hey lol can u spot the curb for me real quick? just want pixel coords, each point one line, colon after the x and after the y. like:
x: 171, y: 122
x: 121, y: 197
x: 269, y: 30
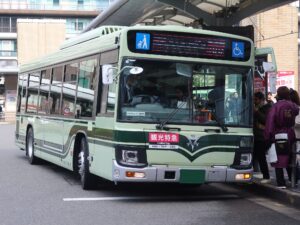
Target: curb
x: 286, y: 196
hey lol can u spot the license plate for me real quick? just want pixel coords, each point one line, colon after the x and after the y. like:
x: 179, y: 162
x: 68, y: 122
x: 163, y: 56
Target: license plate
x: 192, y: 176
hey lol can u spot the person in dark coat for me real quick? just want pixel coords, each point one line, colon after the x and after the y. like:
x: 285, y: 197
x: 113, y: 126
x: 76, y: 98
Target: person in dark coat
x: 281, y: 120
x: 261, y: 109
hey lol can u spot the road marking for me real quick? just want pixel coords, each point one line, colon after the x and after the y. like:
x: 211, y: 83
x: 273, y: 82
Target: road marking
x: 121, y: 198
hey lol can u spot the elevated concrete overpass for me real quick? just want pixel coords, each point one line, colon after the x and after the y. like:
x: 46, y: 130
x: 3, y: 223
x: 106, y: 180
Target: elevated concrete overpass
x: 182, y: 12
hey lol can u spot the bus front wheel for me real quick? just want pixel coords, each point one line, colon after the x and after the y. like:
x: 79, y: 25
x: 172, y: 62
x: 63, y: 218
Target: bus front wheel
x: 30, y: 147
x: 88, y: 180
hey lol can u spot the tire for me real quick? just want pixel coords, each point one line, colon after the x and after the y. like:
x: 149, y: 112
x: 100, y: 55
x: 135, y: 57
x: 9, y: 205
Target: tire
x: 30, y: 147
x: 88, y: 180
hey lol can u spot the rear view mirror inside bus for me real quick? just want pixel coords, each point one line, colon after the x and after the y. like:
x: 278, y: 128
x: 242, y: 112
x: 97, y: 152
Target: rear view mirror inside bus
x: 184, y: 69
x: 108, y: 72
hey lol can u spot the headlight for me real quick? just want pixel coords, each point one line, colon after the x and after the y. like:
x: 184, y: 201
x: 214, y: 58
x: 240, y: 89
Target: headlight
x: 246, y: 142
x: 131, y: 156
x: 245, y: 159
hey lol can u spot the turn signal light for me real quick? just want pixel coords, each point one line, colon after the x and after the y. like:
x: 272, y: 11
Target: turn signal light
x: 243, y: 176
x: 135, y: 174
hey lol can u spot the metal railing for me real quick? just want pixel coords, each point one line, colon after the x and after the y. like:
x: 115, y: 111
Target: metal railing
x: 61, y: 6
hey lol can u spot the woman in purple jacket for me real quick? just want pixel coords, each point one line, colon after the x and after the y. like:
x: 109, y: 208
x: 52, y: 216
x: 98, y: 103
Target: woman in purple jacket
x: 281, y: 120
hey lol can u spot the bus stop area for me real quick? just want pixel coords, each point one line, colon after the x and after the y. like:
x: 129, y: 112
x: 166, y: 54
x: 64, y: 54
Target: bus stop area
x: 290, y: 195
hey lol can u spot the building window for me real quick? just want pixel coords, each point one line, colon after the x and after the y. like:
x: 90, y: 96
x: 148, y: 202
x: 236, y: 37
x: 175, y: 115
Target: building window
x: 75, y: 26
x: 80, y: 2
x: 55, y: 2
x: 8, y: 48
x: 80, y: 26
x: 8, y: 24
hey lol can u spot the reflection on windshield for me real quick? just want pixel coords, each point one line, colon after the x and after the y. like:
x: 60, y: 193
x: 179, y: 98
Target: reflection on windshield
x: 206, y: 94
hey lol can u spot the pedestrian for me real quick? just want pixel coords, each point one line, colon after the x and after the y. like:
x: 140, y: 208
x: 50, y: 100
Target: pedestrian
x: 280, y: 122
x: 270, y: 98
x: 235, y: 107
x: 296, y: 99
x: 261, y: 109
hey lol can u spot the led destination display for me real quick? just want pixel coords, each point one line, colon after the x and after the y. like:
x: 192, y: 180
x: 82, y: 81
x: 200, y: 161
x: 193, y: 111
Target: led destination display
x: 188, y: 45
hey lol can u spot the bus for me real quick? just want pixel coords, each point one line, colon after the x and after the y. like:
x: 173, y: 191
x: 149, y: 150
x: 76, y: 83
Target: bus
x: 154, y: 104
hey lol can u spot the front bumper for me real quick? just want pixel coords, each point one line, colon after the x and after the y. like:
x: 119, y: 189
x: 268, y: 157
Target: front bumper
x: 171, y: 174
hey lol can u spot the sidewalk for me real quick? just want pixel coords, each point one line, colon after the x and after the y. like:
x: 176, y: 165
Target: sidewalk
x: 289, y: 195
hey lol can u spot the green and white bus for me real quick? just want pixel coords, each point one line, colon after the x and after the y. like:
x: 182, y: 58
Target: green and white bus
x: 107, y: 105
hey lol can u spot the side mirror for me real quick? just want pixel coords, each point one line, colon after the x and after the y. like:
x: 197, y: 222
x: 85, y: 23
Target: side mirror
x: 269, y: 67
x: 107, y: 74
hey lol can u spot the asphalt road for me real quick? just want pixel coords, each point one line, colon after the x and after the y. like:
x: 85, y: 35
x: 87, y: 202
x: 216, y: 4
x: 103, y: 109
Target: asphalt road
x: 45, y: 194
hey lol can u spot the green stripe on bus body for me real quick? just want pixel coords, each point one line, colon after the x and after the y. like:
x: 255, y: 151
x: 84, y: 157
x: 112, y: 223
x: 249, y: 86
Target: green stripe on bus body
x: 192, y: 157
x: 185, y: 142
x: 56, y: 118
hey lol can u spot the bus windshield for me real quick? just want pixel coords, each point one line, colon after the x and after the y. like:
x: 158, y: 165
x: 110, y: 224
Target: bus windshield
x: 185, y: 93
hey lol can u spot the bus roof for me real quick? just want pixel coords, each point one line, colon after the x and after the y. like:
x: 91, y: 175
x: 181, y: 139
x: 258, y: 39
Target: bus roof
x: 103, y: 39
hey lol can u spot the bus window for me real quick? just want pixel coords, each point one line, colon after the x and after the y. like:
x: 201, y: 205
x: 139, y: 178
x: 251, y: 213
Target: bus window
x: 33, y: 92
x: 108, y: 96
x: 55, y: 90
x: 20, y: 92
x: 111, y: 98
x: 86, y: 87
x: 44, y: 91
x: 24, y: 92
x: 69, y: 89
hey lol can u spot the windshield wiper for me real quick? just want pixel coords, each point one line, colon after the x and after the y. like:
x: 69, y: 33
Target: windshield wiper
x: 219, y: 122
x: 161, y: 125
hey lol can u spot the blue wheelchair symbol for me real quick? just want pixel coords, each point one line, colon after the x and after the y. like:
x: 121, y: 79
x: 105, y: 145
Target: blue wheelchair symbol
x: 142, y: 41
x: 238, y: 49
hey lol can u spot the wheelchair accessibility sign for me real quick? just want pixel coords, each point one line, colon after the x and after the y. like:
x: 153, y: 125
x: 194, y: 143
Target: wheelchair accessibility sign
x: 142, y: 41
x: 238, y: 49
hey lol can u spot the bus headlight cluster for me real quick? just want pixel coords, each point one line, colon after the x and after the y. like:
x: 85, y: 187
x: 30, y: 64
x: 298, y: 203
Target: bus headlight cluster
x: 131, y: 156
x: 245, y: 159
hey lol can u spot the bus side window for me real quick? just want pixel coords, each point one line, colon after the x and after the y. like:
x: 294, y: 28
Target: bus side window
x: 86, y: 87
x: 55, y: 90
x: 33, y: 92
x: 44, y: 92
x: 108, y: 92
x: 24, y: 92
x: 69, y: 89
x: 20, y: 92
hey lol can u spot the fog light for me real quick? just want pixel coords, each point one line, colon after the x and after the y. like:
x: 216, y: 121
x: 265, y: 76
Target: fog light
x: 135, y: 174
x: 116, y: 173
x: 243, y: 176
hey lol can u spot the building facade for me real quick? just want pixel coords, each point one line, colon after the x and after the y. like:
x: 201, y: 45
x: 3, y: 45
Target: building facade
x: 75, y: 14
x: 278, y: 28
